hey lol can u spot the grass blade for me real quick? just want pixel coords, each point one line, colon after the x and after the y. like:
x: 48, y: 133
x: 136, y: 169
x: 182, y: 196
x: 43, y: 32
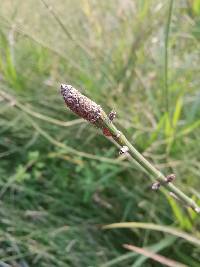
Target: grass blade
x: 156, y: 257
x: 155, y: 227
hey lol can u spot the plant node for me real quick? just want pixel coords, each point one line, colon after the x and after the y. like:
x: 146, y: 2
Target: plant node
x: 123, y: 150
x: 112, y: 115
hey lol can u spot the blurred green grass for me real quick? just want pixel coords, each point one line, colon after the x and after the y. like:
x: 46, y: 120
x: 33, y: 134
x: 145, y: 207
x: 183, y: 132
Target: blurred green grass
x: 60, y: 179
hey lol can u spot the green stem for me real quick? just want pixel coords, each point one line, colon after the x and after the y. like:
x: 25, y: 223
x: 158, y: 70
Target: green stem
x: 136, y: 155
x: 166, y: 57
x: 89, y: 110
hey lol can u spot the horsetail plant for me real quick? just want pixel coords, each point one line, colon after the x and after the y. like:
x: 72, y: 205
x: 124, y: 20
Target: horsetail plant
x: 89, y: 110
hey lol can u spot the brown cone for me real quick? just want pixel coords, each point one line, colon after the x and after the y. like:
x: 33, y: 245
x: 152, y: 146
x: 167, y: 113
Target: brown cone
x: 80, y: 104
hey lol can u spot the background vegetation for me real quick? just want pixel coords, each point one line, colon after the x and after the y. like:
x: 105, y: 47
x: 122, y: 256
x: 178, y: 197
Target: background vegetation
x: 60, y: 180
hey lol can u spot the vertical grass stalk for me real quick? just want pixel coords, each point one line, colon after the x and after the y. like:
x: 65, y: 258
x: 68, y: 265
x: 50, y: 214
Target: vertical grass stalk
x: 166, y: 94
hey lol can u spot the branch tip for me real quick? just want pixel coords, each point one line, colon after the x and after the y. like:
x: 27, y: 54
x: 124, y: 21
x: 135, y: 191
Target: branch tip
x: 80, y: 104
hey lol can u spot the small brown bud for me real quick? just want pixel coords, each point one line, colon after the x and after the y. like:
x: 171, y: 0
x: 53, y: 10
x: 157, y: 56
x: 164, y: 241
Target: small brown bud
x: 155, y: 186
x: 170, y: 178
x: 80, y: 104
x: 112, y: 115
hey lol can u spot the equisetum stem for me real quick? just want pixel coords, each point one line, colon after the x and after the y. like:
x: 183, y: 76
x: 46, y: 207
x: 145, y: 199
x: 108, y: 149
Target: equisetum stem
x: 121, y: 139
x: 90, y: 111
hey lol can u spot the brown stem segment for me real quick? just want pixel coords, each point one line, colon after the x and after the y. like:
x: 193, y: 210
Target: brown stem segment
x: 89, y: 110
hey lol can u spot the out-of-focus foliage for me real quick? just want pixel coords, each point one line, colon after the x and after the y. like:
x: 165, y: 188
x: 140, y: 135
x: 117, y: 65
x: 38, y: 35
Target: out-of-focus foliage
x: 60, y: 180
